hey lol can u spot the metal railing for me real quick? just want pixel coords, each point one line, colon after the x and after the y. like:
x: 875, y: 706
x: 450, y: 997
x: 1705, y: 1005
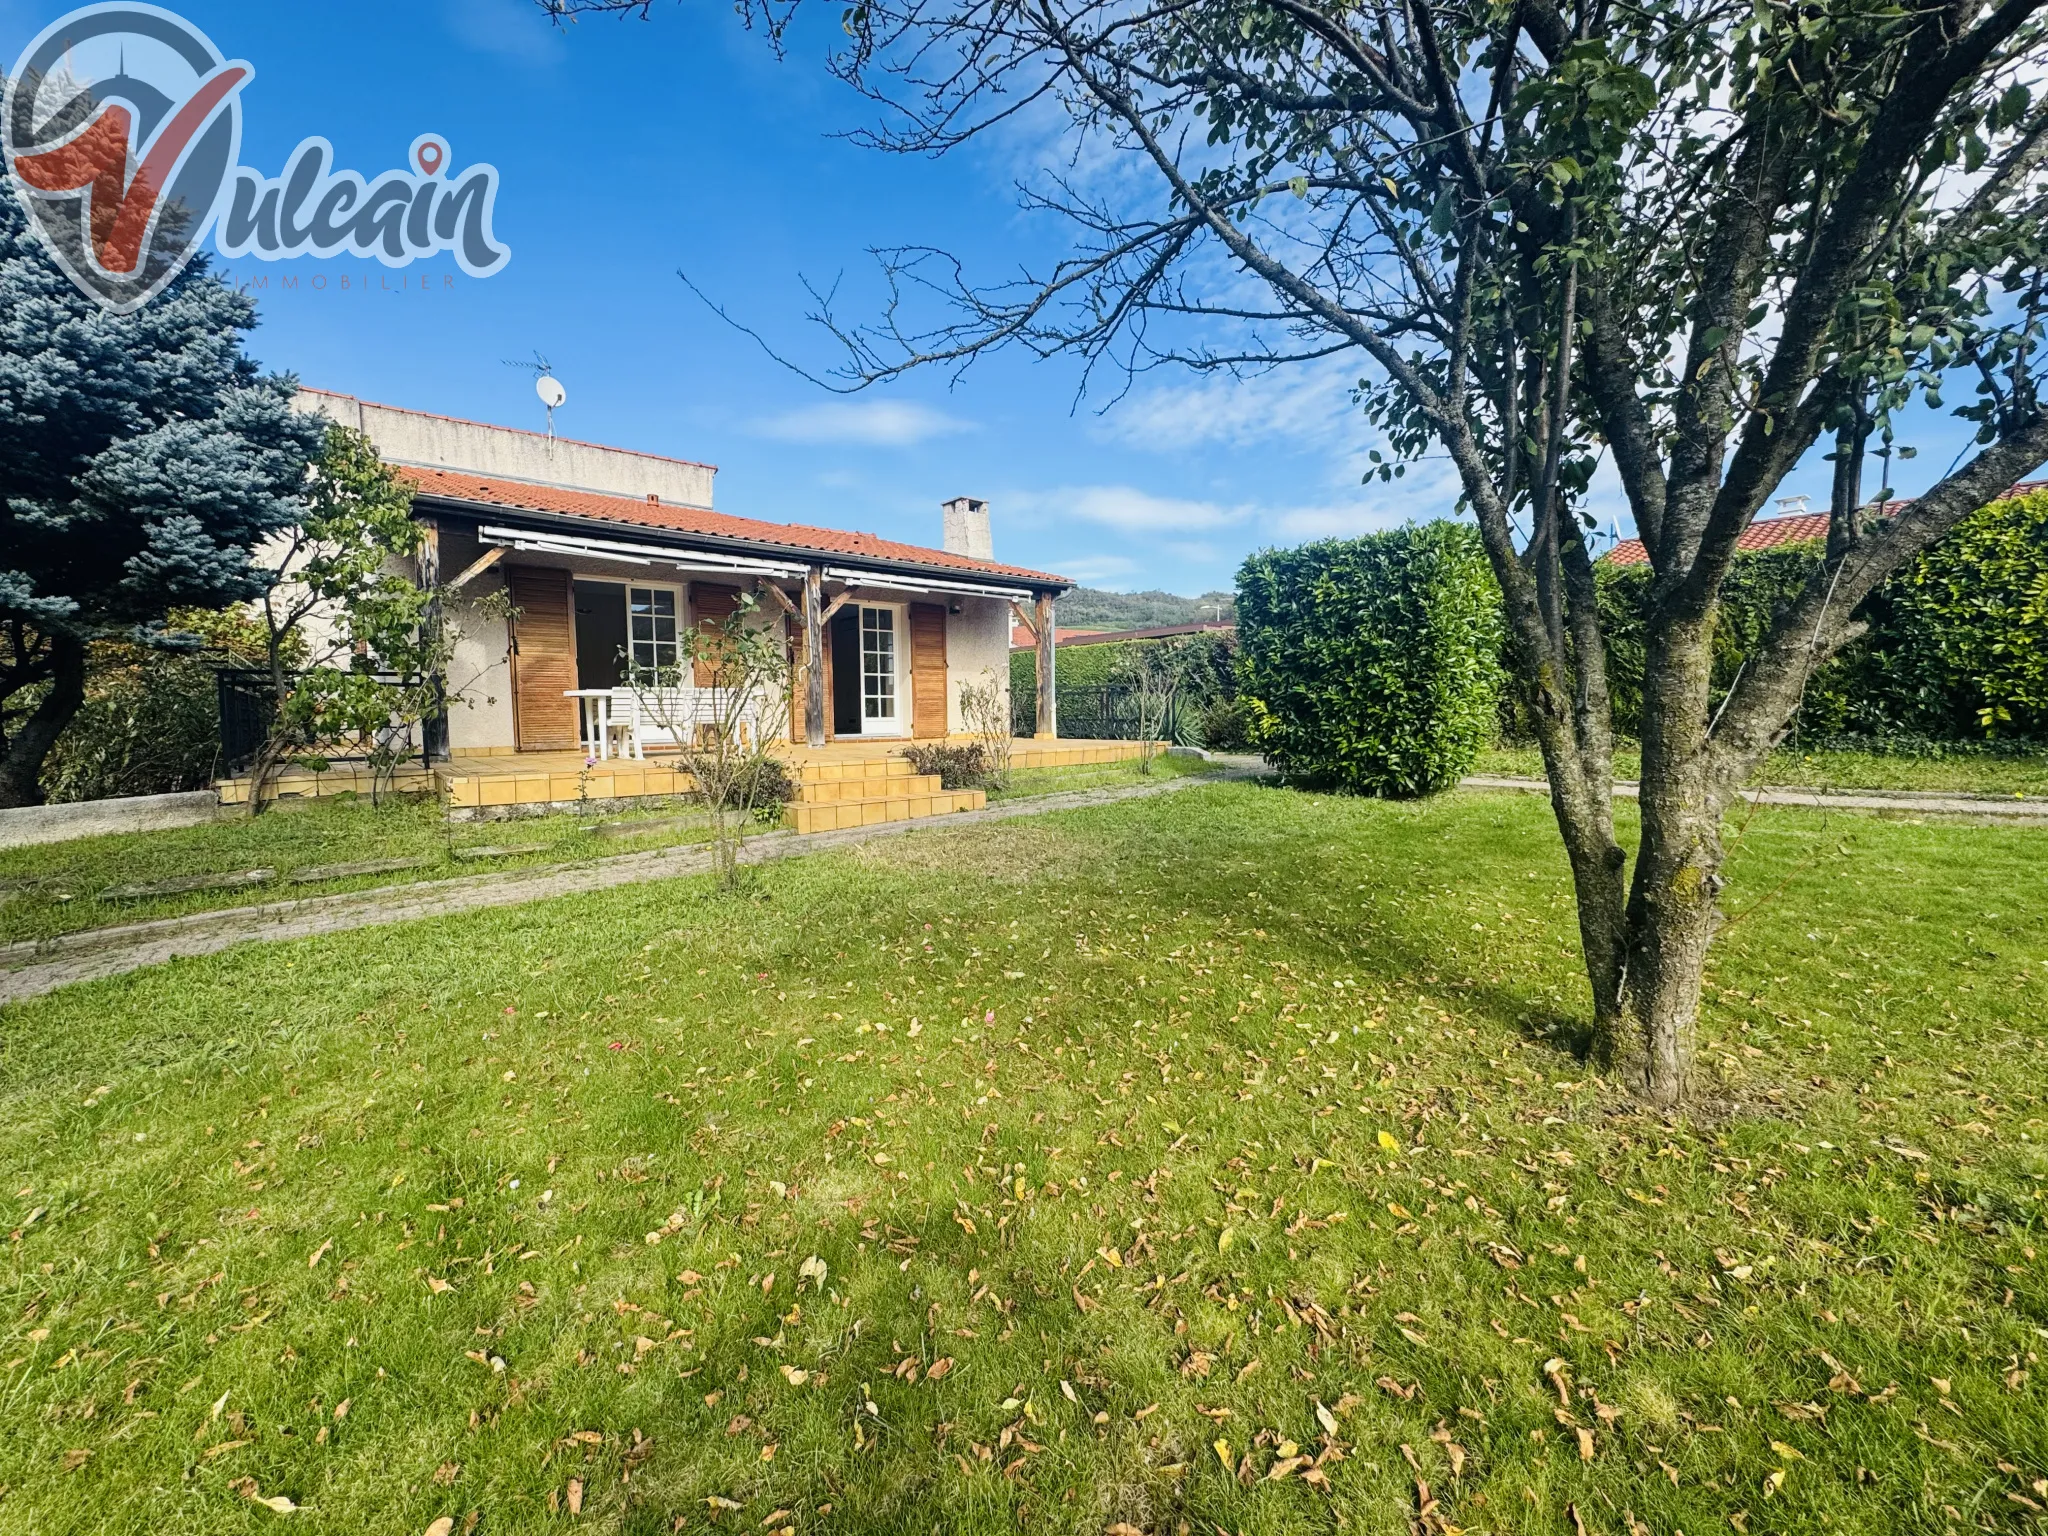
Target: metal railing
x: 1106, y: 713
x: 248, y: 707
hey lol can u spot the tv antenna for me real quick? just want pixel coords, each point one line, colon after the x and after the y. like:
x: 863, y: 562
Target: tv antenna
x: 545, y: 385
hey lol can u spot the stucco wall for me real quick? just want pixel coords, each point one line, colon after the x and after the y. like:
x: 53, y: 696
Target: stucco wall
x: 977, y: 647
x: 480, y: 671
x: 442, y: 442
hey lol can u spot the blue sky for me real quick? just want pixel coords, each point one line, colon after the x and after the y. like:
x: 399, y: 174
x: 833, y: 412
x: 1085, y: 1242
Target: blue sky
x: 628, y: 149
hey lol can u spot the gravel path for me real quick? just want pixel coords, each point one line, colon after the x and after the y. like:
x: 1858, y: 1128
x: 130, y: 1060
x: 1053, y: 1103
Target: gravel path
x: 33, y: 968
x: 1930, y: 802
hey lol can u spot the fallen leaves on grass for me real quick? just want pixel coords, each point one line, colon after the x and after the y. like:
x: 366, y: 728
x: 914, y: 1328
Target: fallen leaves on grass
x: 248, y: 1488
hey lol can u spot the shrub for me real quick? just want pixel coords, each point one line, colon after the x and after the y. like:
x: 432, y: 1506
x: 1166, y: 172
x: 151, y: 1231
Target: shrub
x: 774, y: 786
x: 1225, y: 726
x: 962, y: 767
x: 1373, y: 664
x: 150, y: 725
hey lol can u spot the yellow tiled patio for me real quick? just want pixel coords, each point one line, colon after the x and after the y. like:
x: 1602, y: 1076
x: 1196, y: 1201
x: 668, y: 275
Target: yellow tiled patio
x: 842, y: 784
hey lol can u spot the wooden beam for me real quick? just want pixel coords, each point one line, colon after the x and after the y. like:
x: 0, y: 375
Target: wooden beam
x: 779, y: 595
x: 1025, y: 619
x: 814, y: 656
x: 838, y: 603
x: 476, y: 568
x: 1048, y: 695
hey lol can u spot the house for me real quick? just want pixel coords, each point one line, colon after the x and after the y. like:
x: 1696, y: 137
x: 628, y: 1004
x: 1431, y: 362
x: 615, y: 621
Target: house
x: 606, y: 554
x: 1798, y: 528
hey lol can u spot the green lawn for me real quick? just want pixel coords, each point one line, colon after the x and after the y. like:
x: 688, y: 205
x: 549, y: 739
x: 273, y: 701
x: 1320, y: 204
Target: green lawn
x: 1077, y: 1172
x: 1028, y: 782
x: 2026, y: 775
x: 57, y: 887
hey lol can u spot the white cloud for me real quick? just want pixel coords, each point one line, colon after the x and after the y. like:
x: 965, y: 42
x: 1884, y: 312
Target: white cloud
x: 1305, y: 405
x: 868, y: 423
x: 1128, y: 509
x: 511, y: 29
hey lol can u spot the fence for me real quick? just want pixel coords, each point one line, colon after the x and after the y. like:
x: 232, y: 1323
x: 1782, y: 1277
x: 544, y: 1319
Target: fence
x: 1109, y: 713
x: 248, y: 706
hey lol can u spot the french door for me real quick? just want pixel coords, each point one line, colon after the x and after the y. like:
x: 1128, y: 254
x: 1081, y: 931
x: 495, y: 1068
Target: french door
x: 880, y: 707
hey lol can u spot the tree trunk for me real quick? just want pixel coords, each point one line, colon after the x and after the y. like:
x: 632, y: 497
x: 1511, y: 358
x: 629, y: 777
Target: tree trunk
x: 1672, y: 909
x: 21, y: 765
x: 1584, y: 806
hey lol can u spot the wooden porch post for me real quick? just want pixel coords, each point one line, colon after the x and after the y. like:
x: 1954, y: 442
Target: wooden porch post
x: 1048, y: 695
x: 814, y: 656
x: 434, y: 728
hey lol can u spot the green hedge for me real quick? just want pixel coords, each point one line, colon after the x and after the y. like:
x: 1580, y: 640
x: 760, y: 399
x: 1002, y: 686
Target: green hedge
x: 1957, y: 642
x: 1373, y: 664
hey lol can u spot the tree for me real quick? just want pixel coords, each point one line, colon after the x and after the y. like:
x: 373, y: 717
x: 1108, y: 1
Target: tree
x: 1697, y: 238
x: 731, y: 677
x: 333, y: 597
x: 1153, y: 671
x: 142, y: 459
x: 985, y: 711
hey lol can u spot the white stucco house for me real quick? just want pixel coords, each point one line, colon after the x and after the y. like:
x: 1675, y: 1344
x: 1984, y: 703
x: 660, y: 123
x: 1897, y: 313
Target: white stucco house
x: 607, y: 553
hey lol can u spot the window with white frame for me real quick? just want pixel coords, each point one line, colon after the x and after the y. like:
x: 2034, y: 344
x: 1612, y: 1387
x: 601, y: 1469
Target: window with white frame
x: 651, y: 614
x: 878, y: 663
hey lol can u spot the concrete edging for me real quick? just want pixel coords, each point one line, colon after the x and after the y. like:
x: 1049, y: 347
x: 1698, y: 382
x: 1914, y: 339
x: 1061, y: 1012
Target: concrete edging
x: 1932, y: 802
x: 25, y: 826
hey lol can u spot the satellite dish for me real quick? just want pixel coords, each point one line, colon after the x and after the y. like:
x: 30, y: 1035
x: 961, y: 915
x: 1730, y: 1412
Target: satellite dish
x: 550, y: 390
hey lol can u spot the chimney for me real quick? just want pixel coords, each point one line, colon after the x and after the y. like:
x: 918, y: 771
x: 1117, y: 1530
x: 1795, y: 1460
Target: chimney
x: 967, y: 528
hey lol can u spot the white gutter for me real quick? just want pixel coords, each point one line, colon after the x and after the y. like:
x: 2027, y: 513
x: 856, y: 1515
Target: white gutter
x: 530, y: 542
x: 854, y: 578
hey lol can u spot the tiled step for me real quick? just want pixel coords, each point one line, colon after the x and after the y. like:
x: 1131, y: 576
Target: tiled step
x: 820, y: 793
x: 835, y: 815
x: 838, y: 771
x: 1026, y: 755
x: 613, y: 779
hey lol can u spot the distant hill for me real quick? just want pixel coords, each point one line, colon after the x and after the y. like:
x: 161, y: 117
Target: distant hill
x: 1093, y: 608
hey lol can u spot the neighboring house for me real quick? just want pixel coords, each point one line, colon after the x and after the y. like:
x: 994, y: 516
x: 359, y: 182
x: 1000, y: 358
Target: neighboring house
x: 1799, y: 528
x: 606, y: 552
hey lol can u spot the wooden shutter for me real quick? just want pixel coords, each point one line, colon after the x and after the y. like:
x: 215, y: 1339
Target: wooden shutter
x: 543, y: 659
x: 927, y: 669
x: 710, y: 607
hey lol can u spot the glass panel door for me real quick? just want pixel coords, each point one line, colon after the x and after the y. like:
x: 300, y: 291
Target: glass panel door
x: 877, y: 667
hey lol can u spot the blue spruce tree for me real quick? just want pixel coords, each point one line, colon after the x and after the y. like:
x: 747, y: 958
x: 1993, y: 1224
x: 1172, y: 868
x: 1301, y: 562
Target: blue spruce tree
x: 142, y: 460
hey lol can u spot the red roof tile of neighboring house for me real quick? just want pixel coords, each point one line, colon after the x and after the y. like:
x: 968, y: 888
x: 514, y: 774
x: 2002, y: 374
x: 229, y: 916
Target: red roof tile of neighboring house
x: 1801, y: 528
x: 527, y: 496
x: 1021, y: 639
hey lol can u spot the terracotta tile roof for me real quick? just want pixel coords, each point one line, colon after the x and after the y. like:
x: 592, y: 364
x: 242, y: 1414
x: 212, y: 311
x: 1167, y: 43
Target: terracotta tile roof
x: 1021, y: 639
x: 1800, y: 528
x: 624, y: 511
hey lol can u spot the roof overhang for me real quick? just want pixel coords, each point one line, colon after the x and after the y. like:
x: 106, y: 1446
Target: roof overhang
x: 677, y: 547
x: 625, y: 552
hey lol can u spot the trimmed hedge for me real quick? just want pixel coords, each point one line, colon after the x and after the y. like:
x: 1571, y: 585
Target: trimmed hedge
x: 1956, y: 650
x: 1373, y: 664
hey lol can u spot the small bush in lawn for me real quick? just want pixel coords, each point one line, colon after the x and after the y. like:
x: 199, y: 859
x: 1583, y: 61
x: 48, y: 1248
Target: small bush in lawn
x: 1373, y: 664
x: 774, y: 786
x: 963, y: 767
x: 1225, y: 725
